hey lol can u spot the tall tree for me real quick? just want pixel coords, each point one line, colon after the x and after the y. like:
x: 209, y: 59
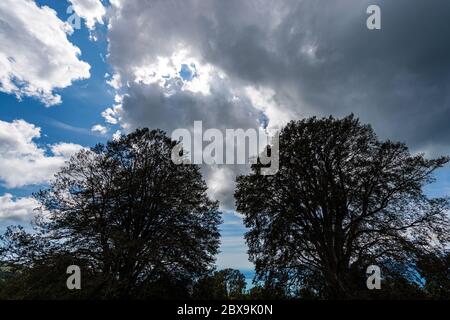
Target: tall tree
x: 342, y: 200
x: 130, y: 215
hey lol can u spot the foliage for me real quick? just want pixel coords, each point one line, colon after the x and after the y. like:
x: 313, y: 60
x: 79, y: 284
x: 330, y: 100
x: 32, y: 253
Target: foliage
x: 125, y: 212
x: 341, y: 201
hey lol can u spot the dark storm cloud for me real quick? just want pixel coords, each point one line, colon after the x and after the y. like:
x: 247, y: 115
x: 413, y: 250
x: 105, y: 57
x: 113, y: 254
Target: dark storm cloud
x: 395, y: 78
x: 316, y: 52
x: 316, y: 56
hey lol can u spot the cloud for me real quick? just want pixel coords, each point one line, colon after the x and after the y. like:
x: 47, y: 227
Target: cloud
x: 22, y: 161
x: 172, y: 86
x: 220, y: 180
x: 19, y: 209
x: 117, y: 135
x: 235, y: 259
x: 306, y: 58
x: 115, y: 81
x: 65, y: 150
x: 233, y: 247
x: 90, y: 10
x: 174, y: 91
x: 112, y: 114
x: 243, y: 64
x: 98, y: 128
x: 36, y: 57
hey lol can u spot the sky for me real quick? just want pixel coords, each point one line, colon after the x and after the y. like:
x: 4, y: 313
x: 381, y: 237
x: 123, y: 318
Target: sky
x: 78, y: 72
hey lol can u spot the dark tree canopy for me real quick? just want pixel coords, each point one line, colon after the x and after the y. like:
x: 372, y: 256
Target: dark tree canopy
x: 221, y: 285
x: 435, y: 269
x: 129, y: 216
x: 140, y: 226
x: 341, y: 201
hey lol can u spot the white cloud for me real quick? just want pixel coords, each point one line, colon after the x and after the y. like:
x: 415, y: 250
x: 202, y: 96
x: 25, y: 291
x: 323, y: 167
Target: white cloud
x: 115, y: 81
x: 90, y: 10
x: 112, y: 114
x: 35, y: 55
x: 21, y: 209
x: 117, y: 135
x: 99, y: 129
x: 181, y: 68
x: 64, y: 149
x: 22, y: 161
x: 264, y: 99
x: 220, y: 182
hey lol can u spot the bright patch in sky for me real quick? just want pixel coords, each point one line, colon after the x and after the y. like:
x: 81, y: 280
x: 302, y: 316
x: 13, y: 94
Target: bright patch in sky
x: 22, y: 161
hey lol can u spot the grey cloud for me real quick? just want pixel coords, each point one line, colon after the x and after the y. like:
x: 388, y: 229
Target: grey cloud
x: 396, y: 78
x: 149, y: 106
x: 317, y: 56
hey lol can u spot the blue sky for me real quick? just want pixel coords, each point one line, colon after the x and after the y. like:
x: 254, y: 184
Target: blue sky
x: 82, y: 103
x: 218, y: 62
x: 71, y: 121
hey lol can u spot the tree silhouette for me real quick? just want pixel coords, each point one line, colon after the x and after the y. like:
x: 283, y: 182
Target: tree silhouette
x: 221, y: 285
x: 341, y: 201
x: 140, y: 226
x: 435, y: 269
x: 128, y: 215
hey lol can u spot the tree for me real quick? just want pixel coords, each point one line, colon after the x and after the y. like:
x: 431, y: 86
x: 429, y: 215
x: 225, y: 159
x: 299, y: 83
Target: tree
x: 341, y: 201
x: 435, y: 269
x: 130, y: 215
x: 221, y: 285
